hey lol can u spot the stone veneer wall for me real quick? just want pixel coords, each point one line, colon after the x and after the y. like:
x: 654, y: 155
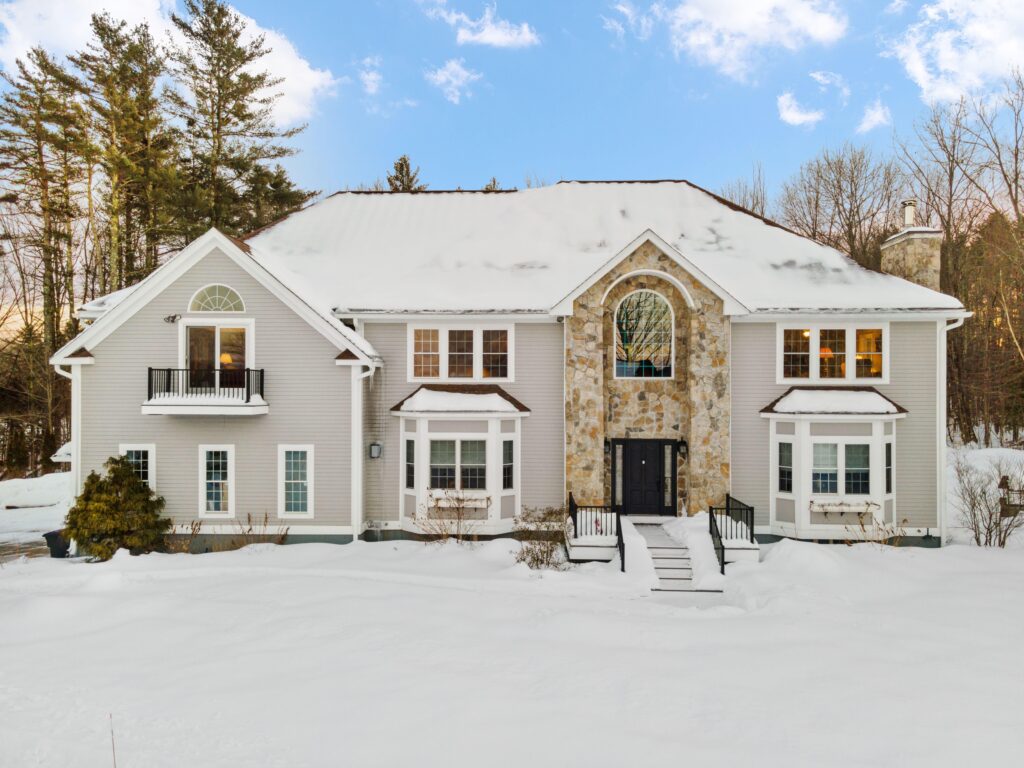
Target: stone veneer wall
x: 916, y: 257
x: 693, y: 405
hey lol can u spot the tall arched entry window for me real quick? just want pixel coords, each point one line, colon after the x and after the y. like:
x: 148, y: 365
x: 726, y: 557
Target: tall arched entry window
x: 643, y: 337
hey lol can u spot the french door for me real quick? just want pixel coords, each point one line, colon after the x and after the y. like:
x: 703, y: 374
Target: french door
x: 216, y: 357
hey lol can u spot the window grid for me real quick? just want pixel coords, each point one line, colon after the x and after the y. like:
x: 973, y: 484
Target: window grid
x: 217, y: 490
x: 643, y: 337
x: 473, y: 464
x: 785, y: 467
x: 832, y: 353
x: 442, y: 464
x: 857, y: 472
x: 507, y: 465
x: 460, y: 354
x: 825, y: 470
x: 869, y: 353
x: 296, y: 481
x: 410, y: 463
x: 426, y: 353
x: 796, y: 353
x: 495, y: 354
x: 217, y: 298
x: 139, y: 460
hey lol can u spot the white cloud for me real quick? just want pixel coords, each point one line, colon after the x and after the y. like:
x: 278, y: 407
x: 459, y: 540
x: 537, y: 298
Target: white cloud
x: 876, y: 114
x: 62, y: 26
x: 640, y: 24
x: 370, y: 76
x: 453, y: 79
x: 896, y: 6
x: 959, y: 47
x: 487, y: 30
x: 834, y: 80
x: 791, y: 113
x: 729, y: 35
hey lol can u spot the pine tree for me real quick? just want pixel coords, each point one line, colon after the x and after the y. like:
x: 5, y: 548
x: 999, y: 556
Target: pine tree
x: 117, y: 511
x: 403, y: 178
x: 224, y: 105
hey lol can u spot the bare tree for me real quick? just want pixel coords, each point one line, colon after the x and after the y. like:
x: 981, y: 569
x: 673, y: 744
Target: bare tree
x: 751, y: 193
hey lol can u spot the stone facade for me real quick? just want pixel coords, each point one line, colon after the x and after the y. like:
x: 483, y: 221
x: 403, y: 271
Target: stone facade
x: 915, y: 256
x: 693, y: 405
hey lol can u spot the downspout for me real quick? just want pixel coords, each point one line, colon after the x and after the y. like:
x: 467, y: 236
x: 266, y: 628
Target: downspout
x: 62, y: 372
x: 949, y: 326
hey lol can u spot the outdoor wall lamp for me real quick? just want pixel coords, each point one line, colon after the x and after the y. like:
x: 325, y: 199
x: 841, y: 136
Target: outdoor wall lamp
x: 375, y: 450
x: 172, y: 318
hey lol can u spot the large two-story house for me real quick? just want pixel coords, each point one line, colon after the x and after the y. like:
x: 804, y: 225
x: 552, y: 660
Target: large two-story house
x: 643, y: 345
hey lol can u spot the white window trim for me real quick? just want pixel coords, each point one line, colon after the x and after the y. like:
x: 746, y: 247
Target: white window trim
x: 218, y: 321
x: 192, y: 298
x: 310, y: 487
x: 232, y: 488
x: 478, y: 352
x: 793, y: 478
x: 123, y: 449
x: 459, y: 439
x: 876, y: 478
x: 851, y: 352
x: 615, y: 316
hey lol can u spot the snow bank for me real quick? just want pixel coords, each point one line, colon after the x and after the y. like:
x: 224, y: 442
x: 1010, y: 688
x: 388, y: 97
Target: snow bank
x: 39, y: 505
x: 639, y: 564
x: 983, y: 459
x: 398, y: 653
x: 693, y: 532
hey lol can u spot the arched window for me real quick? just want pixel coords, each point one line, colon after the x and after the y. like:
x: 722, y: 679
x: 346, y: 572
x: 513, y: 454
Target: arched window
x: 216, y: 298
x: 643, y: 337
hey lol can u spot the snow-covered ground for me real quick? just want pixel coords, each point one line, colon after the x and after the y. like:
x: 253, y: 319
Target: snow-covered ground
x: 40, y: 505
x: 407, y: 653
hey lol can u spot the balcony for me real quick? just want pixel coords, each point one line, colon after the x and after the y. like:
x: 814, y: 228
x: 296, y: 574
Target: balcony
x: 210, y: 392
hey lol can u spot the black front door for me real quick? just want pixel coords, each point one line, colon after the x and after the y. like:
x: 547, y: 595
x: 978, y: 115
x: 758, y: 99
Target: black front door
x: 643, y: 477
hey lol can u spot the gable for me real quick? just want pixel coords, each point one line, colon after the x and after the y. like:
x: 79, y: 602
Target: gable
x: 214, y: 259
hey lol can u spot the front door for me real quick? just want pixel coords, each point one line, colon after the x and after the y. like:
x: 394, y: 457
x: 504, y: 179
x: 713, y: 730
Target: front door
x: 644, y: 476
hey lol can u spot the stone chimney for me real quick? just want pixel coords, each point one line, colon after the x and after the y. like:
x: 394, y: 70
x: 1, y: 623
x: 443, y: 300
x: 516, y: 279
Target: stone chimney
x: 914, y: 253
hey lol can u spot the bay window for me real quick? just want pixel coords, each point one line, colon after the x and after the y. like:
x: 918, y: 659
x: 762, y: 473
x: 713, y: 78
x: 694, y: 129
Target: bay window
x: 785, y: 467
x: 460, y: 353
x: 857, y: 461
x: 825, y: 470
x: 507, y: 465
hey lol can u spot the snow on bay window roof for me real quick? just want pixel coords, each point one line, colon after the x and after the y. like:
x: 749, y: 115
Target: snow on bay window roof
x: 836, y: 401
x: 526, y: 250
x: 460, y: 398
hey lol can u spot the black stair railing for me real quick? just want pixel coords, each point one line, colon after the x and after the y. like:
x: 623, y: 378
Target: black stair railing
x: 734, y: 520
x: 597, y: 520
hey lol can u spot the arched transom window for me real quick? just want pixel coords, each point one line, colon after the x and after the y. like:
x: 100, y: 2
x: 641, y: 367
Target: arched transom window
x: 216, y: 298
x: 643, y: 337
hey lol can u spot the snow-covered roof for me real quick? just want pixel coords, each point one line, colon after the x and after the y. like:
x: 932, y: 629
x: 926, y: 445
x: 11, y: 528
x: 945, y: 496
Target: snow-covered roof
x: 440, y: 398
x: 525, y: 250
x: 101, y: 304
x: 865, y: 401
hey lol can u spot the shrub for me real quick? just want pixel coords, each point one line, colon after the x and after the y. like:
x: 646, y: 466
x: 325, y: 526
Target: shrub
x: 978, y: 494
x: 117, y: 511
x: 542, y: 533
x: 452, y: 515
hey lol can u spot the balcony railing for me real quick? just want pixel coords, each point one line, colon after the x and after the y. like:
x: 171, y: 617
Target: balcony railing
x: 191, y: 385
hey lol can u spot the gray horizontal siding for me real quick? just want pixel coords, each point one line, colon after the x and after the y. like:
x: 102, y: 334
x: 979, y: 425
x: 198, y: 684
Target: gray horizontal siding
x: 538, y: 384
x: 912, y: 360
x: 309, y: 398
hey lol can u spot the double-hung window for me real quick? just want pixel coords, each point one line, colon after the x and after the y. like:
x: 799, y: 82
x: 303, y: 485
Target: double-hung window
x: 825, y: 470
x: 507, y: 465
x: 458, y: 465
x: 142, y: 458
x: 785, y: 467
x: 460, y: 353
x: 216, y: 481
x: 410, y: 463
x: 295, y: 481
x: 888, y: 468
x: 857, y: 466
x: 796, y: 353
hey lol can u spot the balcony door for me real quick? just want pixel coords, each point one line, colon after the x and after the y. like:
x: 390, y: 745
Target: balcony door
x: 216, y: 357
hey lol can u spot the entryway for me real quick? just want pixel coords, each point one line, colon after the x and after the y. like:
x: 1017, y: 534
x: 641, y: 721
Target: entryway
x: 644, y: 476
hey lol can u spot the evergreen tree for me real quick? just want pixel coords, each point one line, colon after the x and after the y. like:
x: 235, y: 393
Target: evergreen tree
x: 118, y: 511
x: 403, y: 178
x: 224, y: 105
x: 493, y: 185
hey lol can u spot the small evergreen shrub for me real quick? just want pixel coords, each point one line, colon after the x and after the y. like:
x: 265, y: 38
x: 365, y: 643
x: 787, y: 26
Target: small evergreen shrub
x: 118, y: 510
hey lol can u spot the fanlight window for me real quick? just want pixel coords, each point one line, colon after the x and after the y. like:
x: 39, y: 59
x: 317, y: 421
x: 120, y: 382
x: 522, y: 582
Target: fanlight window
x: 217, y: 298
x: 643, y: 337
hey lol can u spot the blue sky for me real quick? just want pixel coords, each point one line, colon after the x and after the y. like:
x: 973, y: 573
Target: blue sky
x: 699, y: 89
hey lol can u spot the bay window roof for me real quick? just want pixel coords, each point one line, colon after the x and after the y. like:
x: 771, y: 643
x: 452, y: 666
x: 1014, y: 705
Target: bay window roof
x: 836, y: 401
x: 464, y: 398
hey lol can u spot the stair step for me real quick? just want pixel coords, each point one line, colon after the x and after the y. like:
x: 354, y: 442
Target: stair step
x: 668, y: 550
x: 675, y: 587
